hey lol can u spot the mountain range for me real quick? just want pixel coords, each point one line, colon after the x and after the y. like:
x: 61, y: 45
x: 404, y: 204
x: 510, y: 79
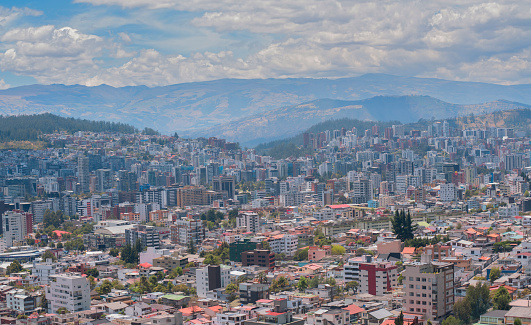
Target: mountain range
x: 251, y: 111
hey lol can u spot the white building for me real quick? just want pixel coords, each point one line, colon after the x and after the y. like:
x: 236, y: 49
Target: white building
x: 22, y: 301
x: 16, y: 226
x: 230, y: 318
x: 248, y: 220
x: 44, y: 270
x: 286, y: 244
x: 211, y: 277
x: 508, y: 211
x: 447, y: 192
x: 70, y: 290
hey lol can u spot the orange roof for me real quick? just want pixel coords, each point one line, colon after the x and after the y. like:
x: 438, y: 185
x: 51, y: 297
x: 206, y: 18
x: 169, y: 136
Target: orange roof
x: 145, y: 265
x: 408, y: 250
x: 216, y: 308
x: 353, y: 309
x: 484, y: 258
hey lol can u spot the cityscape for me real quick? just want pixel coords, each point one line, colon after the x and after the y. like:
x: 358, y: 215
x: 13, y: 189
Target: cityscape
x: 316, y: 162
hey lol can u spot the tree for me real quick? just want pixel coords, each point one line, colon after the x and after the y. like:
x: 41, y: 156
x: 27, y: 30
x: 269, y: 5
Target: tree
x: 262, y: 278
x: 352, y: 285
x: 231, y: 288
x: 93, y: 272
x: 104, y: 288
x: 14, y: 267
x: 501, y: 299
x: 62, y: 310
x: 49, y: 255
x: 114, y: 252
x: 526, y: 194
x: 462, y: 310
x: 400, y: 319
x: 495, y: 274
x: 517, y: 321
x: 302, y: 284
x: 338, y: 250
x: 265, y: 245
x: 451, y: 321
x: 402, y: 225
x: 301, y: 255
x: 400, y: 279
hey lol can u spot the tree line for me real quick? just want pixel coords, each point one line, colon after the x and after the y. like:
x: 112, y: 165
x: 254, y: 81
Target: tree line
x: 31, y: 127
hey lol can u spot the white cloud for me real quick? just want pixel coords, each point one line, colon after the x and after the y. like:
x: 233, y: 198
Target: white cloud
x: 51, y: 55
x: 465, y: 40
x: 4, y: 85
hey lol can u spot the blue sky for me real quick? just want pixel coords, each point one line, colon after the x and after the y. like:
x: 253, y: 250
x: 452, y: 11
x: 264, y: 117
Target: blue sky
x: 156, y: 43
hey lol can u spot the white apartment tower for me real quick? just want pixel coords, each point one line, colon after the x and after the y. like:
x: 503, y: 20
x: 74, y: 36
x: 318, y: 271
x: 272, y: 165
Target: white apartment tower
x: 69, y: 290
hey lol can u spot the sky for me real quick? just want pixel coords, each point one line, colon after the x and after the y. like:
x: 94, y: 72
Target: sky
x: 162, y: 42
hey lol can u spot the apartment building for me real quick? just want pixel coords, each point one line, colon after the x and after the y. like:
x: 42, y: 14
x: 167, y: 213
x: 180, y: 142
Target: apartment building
x: 378, y: 278
x: 429, y: 290
x: 44, y: 270
x: 69, y: 290
x: 186, y: 230
x: 286, y: 244
x: 211, y: 277
x: 260, y: 257
x: 249, y: 221
x: 16, y: 225
x: 147, y: 235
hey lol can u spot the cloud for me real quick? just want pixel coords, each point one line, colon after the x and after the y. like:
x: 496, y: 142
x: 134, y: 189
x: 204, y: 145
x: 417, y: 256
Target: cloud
x: 51, y: 54
x: 9, y: 15
x: 462, y: 40
x: 4, y: 85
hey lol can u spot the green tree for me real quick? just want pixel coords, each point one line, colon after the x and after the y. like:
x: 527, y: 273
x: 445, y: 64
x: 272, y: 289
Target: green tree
x: 495, y: 274
x: 451, y: 321
x: 517, y: 321
x: 265, y: 245
x: 462, y: 310
x: 352, y: 285
x: 114, y: 252
x: 301, y: 255
x: 49, y: 255
x: 402, y: 225
x: 400, y: 319
x: 501, y: 299
x: 62, y: 310
x: 93, y: 272
x: 231, y: 288
x: 338, y: 250
x: 104, y: 288
x: 14, y: 267
x: 302, y: 284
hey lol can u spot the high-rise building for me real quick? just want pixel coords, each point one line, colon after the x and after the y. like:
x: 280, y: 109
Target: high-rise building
x: 378, y: 278
x: 429, y: 290
x: 83, y: 173
x: 16, y: 225
x: 225, y: 185
x: 147, y: 235
x: 186, y: 230
x: 249, y: 221
x: 211, y: 277
x: 70, y: 291
x: 103, y: 180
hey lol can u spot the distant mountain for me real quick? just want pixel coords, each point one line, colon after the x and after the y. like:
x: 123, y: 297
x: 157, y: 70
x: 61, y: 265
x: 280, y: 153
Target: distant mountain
x: 191, y: 108
x: 288, y: 121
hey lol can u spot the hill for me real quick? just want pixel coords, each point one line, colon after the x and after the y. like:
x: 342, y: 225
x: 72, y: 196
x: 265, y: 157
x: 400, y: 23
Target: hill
x: 191, y: 108
x: 519, y: 119
x: 289, y: 121
x: 31, y: 127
